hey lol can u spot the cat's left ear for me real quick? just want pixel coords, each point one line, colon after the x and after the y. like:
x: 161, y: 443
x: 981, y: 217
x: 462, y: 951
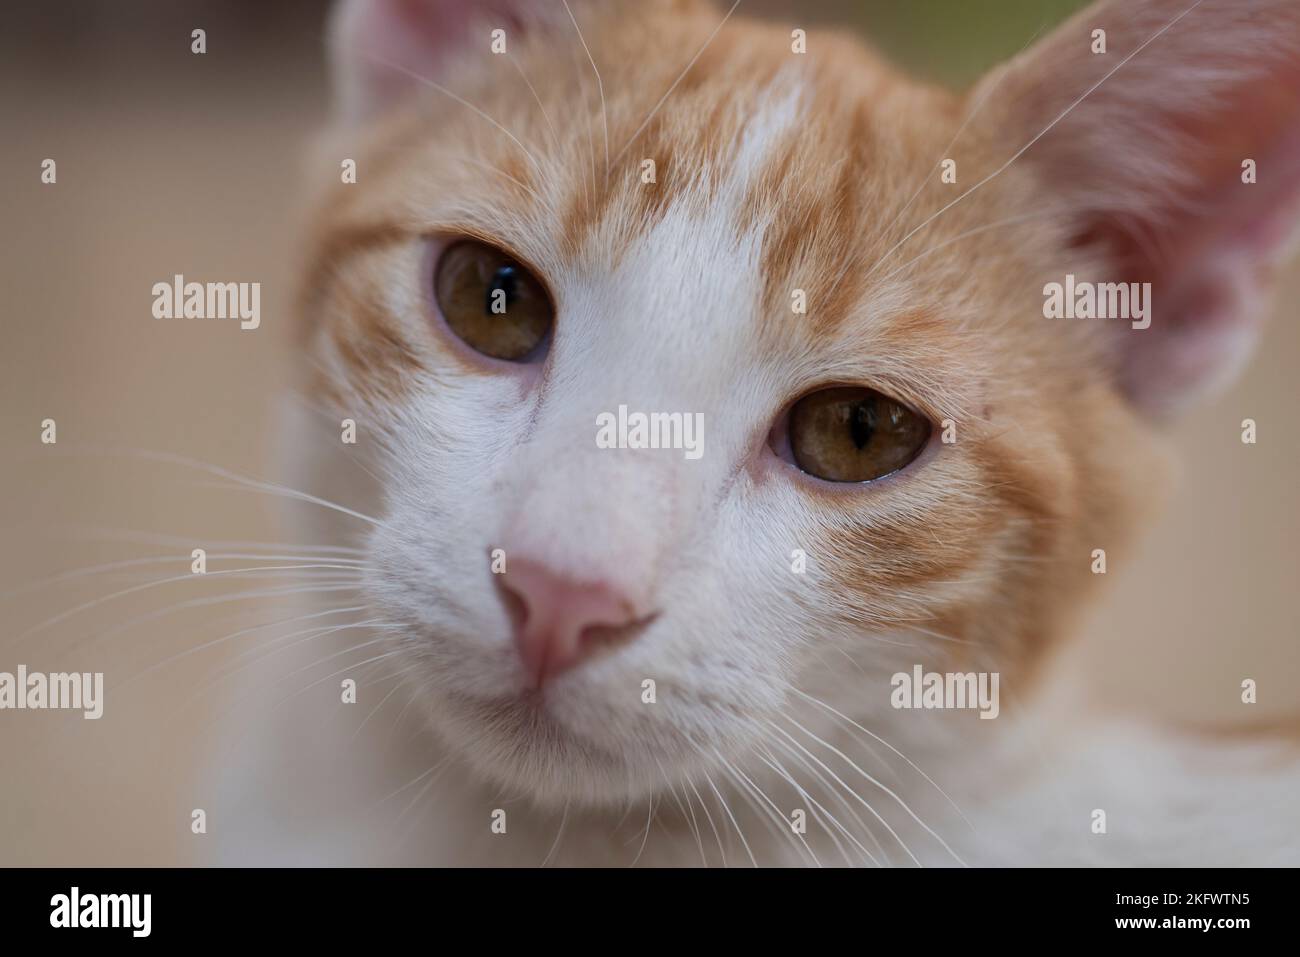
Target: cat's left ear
x: 383, y: 50
x: 1169, y: 133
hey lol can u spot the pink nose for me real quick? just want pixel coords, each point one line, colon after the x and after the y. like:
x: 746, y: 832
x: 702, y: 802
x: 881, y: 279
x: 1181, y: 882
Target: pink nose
x: 559, y: 621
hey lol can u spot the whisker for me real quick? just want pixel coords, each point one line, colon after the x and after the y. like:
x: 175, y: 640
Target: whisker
x: 240, y: 701
x: 646, y: 122
x: 375, y: 710
x: 385, y: 655
x: 876, y: 737
x: 941, y: 637
x: 374, y: 623
x: 383, y: 61
x: 230, y: 637
x: 86, y: 606
x: 217, y: 600
x: 74, y: 574
x: 555, y: 137
x: 727, y: 809
x: 1009, y: 221
x: 411, y: 783
x: 649, y: 820
x: 891, y: 793
x: 947, y: 150
x: 782, y: 824
x: 722, y: 853
x: 604, y: 117
x: 854, y: 794
x: 564, y: 819
x: 416, y: 800
x: 260, y: 653
x: 328, y: 418
x: 818, y: 810
x: 1024, y: 149
x: 589, y: 182
x: 129, y: 536
x: 250, y: 484
x: 831, y: 790
x: 686, y: 810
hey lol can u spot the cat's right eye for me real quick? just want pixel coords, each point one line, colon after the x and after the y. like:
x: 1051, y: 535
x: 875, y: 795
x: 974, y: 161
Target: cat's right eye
x: 854, y: 434
x: 492, y: 303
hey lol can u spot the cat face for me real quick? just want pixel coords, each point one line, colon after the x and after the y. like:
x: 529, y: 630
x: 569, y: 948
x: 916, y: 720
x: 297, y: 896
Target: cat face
x: 897, y: 459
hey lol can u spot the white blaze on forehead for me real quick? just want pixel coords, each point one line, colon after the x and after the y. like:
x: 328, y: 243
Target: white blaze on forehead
x: 669, y: 329
x: 774, y: 118
x: 693, y: 276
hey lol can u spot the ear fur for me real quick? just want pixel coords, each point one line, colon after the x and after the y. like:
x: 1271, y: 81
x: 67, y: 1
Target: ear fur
x: 381, y: 50
x: 1148, y: 149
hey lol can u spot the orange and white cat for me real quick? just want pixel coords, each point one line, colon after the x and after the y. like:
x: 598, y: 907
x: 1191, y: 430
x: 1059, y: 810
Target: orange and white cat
x: 605, y: 653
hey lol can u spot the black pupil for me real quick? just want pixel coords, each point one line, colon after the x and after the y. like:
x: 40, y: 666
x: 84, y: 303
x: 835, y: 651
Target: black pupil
x: 861, y: 419
x: 505, y: 279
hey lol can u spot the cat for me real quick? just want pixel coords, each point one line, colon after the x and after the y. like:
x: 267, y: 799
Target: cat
x: 607, y: 654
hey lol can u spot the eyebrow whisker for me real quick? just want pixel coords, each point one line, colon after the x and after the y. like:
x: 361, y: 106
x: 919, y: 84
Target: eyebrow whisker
x: 604, y: 116
x: 646, y: 122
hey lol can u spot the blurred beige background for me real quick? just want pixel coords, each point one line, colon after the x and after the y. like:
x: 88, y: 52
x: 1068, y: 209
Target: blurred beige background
x: 174, y: 163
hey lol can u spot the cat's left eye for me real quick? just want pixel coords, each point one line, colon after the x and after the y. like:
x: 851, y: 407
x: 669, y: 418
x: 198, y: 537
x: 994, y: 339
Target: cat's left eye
x: 854, y: 434
x: 494, y: 304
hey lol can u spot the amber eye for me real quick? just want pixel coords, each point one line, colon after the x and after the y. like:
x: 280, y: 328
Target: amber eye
x: 854, y: 434
x: 492, y: 302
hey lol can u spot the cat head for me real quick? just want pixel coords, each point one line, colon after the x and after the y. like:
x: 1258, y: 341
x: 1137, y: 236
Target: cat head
x: 577, y: 229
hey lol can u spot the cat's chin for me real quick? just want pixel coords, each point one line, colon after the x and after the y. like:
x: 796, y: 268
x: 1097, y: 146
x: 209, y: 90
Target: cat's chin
x: 517, y: 743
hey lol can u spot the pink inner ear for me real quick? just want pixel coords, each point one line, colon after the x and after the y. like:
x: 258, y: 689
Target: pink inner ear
x: 1209, y: 254
x: 381, y: 46
x: 1204, y: 325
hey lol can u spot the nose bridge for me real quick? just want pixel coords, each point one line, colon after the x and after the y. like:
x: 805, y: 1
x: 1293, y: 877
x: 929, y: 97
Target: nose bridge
x: 633, y: 347
x: 593, y: 512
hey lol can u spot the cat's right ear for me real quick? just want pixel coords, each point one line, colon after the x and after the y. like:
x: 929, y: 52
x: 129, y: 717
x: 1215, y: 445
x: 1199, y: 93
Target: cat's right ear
x: 384, y: 50
x: 1166, y: 135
